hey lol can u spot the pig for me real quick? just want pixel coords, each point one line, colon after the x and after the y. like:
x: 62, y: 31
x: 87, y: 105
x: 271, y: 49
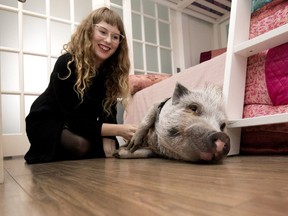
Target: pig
x: 189, y: 126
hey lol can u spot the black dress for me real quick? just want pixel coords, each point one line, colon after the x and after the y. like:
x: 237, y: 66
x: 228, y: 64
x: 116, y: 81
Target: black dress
x: 58, y: 107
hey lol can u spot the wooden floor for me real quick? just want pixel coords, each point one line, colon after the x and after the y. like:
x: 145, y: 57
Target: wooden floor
x: 240, y: 186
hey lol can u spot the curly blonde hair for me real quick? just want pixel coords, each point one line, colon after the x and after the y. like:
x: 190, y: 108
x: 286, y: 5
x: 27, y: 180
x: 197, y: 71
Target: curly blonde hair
x: 118, y: 65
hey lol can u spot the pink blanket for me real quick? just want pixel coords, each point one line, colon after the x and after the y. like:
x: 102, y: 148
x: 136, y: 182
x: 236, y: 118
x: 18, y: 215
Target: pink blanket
x: 211, y: 71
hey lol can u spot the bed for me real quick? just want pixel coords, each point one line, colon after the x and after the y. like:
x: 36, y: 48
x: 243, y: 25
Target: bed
x: 194, y: 77
x: 266, y: 90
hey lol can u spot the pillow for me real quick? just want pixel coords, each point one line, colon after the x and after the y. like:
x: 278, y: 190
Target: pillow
x: 256, y: 89
x: 276, y: 72
x: 139, y: 82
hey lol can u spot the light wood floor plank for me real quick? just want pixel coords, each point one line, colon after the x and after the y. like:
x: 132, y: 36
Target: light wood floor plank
x: 239, y: 186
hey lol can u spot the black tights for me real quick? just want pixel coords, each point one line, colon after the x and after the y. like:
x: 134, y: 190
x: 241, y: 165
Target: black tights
x: 76, y: 145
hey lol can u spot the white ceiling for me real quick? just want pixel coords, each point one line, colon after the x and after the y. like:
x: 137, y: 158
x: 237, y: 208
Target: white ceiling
x: 213, y: 11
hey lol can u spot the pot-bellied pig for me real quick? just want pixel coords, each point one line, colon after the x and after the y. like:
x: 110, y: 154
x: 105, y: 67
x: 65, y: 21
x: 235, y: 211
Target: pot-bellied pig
x: 189, y: 126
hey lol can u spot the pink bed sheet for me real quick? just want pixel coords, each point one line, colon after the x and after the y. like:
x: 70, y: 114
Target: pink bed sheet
x: 211, y: 71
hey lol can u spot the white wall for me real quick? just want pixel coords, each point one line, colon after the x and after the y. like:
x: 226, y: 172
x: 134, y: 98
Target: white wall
x: 198, y: 37
x: 191, y: 36
x: 223, y: 32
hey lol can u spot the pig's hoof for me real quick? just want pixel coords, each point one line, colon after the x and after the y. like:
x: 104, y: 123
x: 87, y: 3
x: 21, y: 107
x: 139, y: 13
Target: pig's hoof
x: 116, y: 154
x: 122, y: 153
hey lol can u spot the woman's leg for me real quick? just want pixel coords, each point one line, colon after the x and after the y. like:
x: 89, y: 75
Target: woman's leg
x: 75, y: 144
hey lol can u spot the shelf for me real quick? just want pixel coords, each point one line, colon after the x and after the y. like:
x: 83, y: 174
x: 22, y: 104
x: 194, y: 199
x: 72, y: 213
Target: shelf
x: 261, y: 120
x: 265, y: 41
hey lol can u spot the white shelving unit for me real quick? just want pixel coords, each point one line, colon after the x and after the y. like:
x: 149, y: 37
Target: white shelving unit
x: 1, y: 165
x: 1, y: 149
x: 265, y: 41
x: 238, y: 50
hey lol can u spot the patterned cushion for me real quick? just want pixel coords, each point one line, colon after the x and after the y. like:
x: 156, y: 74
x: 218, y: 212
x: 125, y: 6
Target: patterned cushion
x: 255, y: 110
x: 256, y: 88
x: 276, y: 72
x: 139, y: 82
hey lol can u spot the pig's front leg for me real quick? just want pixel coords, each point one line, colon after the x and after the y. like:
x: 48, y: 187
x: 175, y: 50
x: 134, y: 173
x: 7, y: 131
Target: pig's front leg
x: 124, y: 153
x: 138, y: 140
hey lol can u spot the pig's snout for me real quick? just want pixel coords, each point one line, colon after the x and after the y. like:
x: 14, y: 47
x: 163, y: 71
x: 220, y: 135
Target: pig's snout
x: 219, y: 142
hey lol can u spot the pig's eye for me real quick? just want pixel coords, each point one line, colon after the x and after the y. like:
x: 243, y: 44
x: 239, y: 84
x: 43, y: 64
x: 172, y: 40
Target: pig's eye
x: 194, y: 108
x: 222, y: 126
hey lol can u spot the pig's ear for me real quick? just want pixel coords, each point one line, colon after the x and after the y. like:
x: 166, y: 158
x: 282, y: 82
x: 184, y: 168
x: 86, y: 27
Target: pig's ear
x: 179, y: 91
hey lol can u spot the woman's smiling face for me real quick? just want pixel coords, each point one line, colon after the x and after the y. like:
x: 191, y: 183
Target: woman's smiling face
x: 106, y: 40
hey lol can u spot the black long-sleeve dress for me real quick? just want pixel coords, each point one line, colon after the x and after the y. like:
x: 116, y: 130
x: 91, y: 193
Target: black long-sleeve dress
x: 58, y: 107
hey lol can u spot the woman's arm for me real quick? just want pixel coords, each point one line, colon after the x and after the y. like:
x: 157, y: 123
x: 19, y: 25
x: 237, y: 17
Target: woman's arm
x: 124, y: 130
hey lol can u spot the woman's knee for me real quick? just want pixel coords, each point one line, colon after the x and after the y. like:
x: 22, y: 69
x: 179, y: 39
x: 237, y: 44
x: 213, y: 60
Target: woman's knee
x: 74, y: 143
x: 82, y: 146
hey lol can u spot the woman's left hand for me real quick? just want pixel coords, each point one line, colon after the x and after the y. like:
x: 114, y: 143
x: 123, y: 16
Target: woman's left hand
x: 128, y: 130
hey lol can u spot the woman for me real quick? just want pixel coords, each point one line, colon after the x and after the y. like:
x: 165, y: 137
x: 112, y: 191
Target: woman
x: 75, y: 117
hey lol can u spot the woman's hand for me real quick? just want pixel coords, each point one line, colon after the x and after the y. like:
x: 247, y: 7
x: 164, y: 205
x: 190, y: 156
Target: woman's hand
x: 127, y: 131
x: 124, y: 130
